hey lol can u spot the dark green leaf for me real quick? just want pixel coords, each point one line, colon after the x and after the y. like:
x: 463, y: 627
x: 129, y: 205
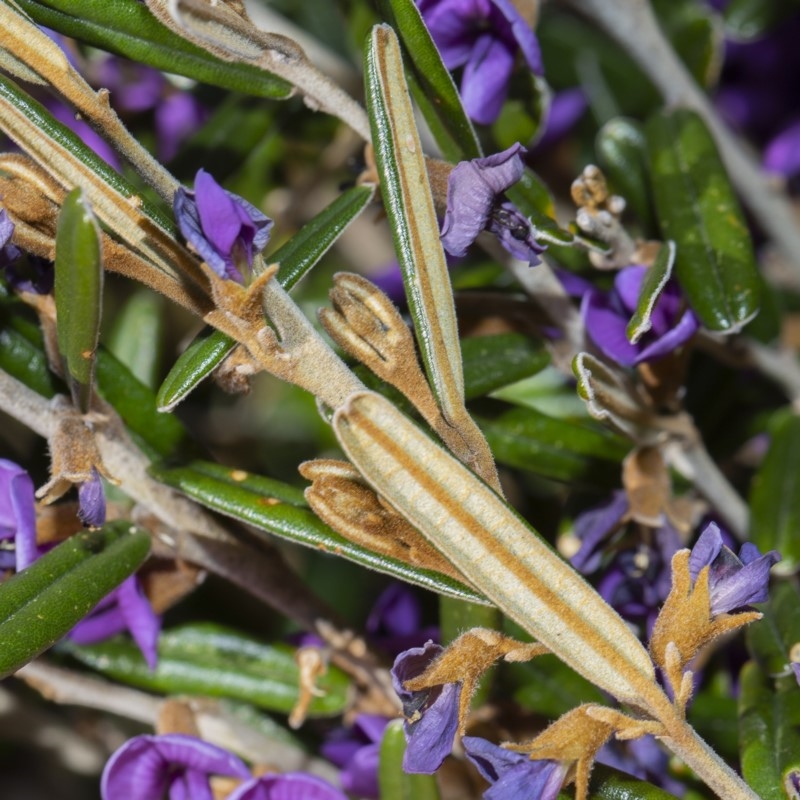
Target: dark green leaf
x: 491, y: 362
x: 653, y: 284
x: 159, y: 435
x: 214, y: 661
x: 193, y: 366
x: 622, y: 153
x: 554, y: 448
x: 533, y: 199
x: 315, y: 238
x: 78, y: 294
x: 752, y: 19
x: 394, y: 783
x: 431, y: 84
x: 769, y: 731
x: 770, y: 640
x: 611, y: 784
x: 694, y: 31
x: 126, y: 27
x: 259, y: 509
x: 296, y: 257
x: 45, y: 601
x: 698, y: 209
x: 775, y: 494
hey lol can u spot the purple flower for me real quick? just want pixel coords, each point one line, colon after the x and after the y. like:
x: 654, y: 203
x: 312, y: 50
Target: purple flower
x: 566, y: 108
x: 84, y: 131
x: 607, y: 314
x: 177, y: 116
x: 225, y: 229
x: 17, y: 516
x: 356, y: 751
x: 126, y: 608
x: 431, y: 714
x: 148, y: 767
x: 482, y: 36
x: 643, y: 759
x: 637, y: 578
x: 514, y: 776
x: 782, y: 155
x: 733, y: 582
x: 92, y: 501
x: 473, y: 190
x: 289, y: 786
x: 394, y: 623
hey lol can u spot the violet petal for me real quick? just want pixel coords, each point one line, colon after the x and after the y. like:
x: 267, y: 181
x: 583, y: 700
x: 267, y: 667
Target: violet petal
x: 484, y: 85
x: 140, y: 619
x: 18, y: 512
x: 92, y: 501
x: 289, y: 786
x: 523, y: 34
x: 607, y: 328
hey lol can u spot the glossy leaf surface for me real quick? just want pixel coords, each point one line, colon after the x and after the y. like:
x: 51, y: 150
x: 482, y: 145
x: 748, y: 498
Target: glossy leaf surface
x: 45, y: 601
x: 769, y: 731
x: 78, y: 294
x: 299, y: 524
x: 211, y: 660
x: 697, y: 208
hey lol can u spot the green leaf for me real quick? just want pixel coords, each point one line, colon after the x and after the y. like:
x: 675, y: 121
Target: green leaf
x: 769, y: 731
x: 622, y: 153
x: 194, y: 365
x: 752, y: 19
x: 136, y: 335
x: 296, y: 257
x: 159, y: 435
x: 771, y: 639
x: 214, y: 661
x: 554, y: 448
x: 431, y: 83
x: 415, y: 230
x: 694, y: 31
x: 45, y: 601
x: 491, y: 362
x: 127, y: 28
x: 775, y: 493
x: 78, y: 294
x: 532, y: 197
x: 655, y: 280
x: 611, y: 784
x: 394, y: 783
x: 698, y: 209
x: 248, y: 503
x: 316, y: 237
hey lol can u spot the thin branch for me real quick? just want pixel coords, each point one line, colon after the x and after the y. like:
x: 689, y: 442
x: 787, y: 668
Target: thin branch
x: 633, y: 25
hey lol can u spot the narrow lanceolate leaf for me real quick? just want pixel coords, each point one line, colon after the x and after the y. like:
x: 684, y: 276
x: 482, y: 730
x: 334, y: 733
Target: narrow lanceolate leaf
x: 775, y: 496
x: 249, y: 499
x: 214, y: 661
x: 45, y: 601
x: 493, y: 547
x: 126, y: 27
x: 697, y: 208
x: 78, y: 294
x: 653, y: 284
x: 395, y: 784
x: 296, y: 257
x: 769, y: 731
x: 409, y: 205
x: 432, y: 85
x: 612, y: 784
x: 622, y: 153
x: 318, y: 235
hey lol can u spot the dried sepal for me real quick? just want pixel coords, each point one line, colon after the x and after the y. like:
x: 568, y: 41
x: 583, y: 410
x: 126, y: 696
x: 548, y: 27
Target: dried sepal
x: 74, y: 455
x: 340, y: 497
x: 599, y: 216
x: 685, y: 624
x: 466, y: 660
x: 647, y: 485
x: 575, y: 737
x: 312, y: 663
